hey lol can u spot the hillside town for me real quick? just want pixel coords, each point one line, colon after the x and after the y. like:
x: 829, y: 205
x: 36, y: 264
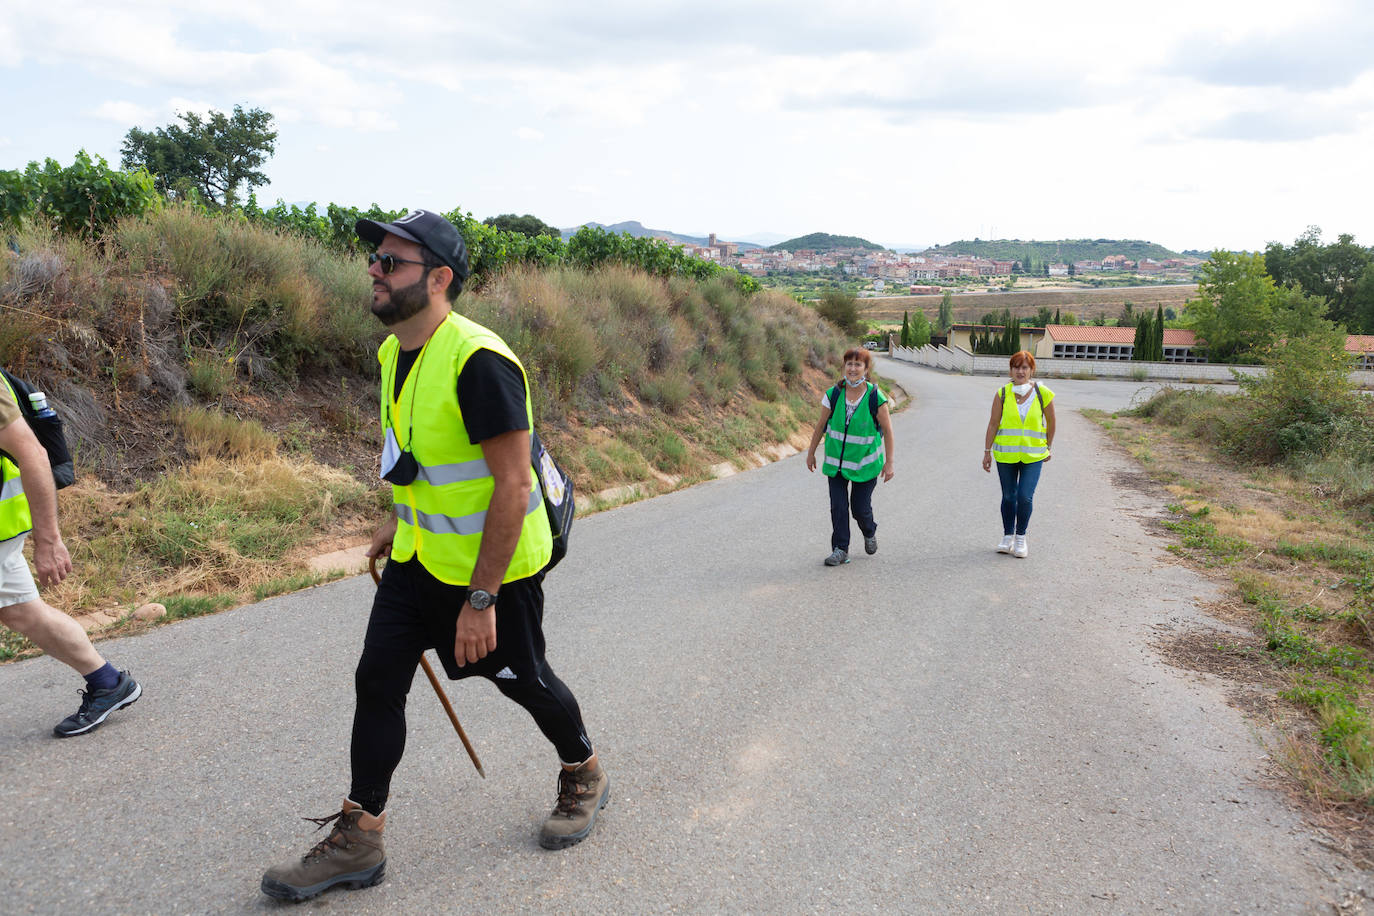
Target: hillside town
x: 896, y: 268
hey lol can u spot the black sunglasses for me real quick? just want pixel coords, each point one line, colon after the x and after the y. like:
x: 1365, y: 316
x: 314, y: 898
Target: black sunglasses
x: 389, y: 261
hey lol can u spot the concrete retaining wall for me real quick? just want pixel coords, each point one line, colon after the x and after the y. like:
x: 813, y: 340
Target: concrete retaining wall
x: 957, y: 359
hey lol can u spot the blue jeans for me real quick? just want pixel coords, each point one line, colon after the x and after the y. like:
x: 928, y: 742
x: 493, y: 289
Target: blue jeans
x: 1018, y: 492
x: 846, y: 496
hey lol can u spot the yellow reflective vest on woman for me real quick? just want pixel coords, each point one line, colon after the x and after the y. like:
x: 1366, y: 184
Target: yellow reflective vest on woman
x: 441, y: 514
x: 1022, y: 440
x: 15, y: 518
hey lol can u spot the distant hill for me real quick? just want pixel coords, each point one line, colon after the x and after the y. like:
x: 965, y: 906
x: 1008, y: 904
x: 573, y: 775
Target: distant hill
x: 824, y: 241
x: 1065, y: 250
x: 637, y: 230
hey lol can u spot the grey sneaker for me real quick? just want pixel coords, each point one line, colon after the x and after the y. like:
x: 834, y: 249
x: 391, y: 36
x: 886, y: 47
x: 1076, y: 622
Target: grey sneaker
x: 871, y: 544
x: 581, y: 794
x: 837, y: 557
x: 352, y: 855
x: 96, y: 706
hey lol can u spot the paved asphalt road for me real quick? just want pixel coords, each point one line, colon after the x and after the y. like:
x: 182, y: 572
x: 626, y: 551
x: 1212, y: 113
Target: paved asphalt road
x: 937, y: 728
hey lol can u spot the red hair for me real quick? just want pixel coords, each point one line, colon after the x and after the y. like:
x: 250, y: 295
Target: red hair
x: 1022, y: 358
x: 861, y: 355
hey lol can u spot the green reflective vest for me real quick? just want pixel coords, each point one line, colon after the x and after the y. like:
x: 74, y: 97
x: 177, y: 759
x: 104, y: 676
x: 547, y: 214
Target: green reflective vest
x: 15, y: 518
x: 853, y: 446
x: 1017, y: 439
x: 440, y: 515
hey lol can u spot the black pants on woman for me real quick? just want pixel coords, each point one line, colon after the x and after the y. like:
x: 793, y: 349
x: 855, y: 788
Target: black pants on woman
x: 412, y: 612
x: 846, y: 496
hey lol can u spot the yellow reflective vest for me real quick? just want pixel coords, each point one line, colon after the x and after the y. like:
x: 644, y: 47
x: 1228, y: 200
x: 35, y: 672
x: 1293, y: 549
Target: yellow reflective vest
x: 15, y: 518
x: 1022, y: 440
x: 441, y: 514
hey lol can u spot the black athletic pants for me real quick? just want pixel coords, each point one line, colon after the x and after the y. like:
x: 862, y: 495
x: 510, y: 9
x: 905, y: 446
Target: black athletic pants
x: 412, y: 612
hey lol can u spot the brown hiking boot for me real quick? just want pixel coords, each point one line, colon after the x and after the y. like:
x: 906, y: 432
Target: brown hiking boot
x: 352, y: 855
x: 582, y: 792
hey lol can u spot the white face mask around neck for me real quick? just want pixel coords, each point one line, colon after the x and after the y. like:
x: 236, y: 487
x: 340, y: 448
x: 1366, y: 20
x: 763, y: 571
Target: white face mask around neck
x: 1022, y: 390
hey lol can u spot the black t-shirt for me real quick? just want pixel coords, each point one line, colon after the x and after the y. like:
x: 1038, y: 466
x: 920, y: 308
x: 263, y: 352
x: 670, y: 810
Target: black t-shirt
x: 491, y: 393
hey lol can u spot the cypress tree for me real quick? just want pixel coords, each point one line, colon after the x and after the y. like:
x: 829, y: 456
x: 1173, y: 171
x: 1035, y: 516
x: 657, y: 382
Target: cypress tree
x: 1159, y: 333
x: 905, y: 339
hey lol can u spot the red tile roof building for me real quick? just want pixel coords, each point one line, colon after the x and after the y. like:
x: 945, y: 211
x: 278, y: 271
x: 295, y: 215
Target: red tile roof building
x: 1087, y: 341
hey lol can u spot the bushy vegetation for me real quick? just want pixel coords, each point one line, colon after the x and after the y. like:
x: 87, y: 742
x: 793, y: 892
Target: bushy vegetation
x: 1304, y: 413
x: 85, y: 197
x: 181, y: 334
x: 842, y: 310
x: 90, y: 197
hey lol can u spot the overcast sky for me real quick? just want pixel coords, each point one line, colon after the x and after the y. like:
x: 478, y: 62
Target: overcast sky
x: 1200, y: 124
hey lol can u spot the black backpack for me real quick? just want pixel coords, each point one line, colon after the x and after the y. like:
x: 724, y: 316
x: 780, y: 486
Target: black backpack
x: 47, y: 427
x: 557, y: 489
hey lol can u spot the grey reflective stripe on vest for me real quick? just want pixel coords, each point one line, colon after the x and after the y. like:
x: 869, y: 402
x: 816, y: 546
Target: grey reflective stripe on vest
x: 448, y: 524
x: 1019, y: 449
x: 854, y: 465
x: 441, y: 474
x: 12, y: 487
x: 1023, y: 433
x: 857, y: 440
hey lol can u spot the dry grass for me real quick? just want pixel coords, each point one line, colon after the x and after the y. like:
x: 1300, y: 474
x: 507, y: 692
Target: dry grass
x: 219, y: 386
x: 1300, y: 582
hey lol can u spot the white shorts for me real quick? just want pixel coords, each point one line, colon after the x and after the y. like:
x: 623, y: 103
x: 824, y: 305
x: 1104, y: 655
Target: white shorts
x: 16, y: 581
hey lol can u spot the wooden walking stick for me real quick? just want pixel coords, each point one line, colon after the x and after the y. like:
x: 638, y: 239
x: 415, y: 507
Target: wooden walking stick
x: 438, y: 688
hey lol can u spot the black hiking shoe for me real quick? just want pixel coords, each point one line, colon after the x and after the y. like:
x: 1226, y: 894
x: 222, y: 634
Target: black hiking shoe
x: 96, y: 705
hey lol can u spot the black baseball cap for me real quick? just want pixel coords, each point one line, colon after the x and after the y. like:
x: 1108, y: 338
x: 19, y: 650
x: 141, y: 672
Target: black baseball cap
x: 424, y: 228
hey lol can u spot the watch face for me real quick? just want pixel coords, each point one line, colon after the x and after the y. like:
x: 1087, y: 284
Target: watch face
x: 479, y: 599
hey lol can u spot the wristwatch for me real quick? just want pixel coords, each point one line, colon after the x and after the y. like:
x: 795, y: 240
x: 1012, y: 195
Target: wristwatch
x: 481, y: 599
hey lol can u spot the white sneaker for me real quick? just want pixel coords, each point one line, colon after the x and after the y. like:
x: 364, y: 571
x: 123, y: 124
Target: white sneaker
x: 1020, y: 549
x: 1005, y: 545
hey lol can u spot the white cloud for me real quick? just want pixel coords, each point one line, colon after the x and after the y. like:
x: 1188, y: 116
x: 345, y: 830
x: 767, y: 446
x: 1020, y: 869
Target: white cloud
x: 123, y: 113
x: 897, y: 120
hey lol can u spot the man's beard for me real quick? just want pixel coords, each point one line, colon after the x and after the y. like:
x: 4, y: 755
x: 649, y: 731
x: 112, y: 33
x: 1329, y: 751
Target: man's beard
x: 402, y: 303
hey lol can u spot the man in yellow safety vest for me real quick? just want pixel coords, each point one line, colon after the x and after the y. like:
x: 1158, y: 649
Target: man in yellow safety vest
x: 468, y: 540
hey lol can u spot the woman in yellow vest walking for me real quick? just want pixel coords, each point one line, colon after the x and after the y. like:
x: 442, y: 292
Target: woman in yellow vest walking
x: 858, y: 450
x: 1019, y: 435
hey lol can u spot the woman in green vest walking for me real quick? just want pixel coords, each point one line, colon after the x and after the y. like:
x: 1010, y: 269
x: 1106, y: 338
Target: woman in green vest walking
x: 1019, y: 435
x: 858, y: 450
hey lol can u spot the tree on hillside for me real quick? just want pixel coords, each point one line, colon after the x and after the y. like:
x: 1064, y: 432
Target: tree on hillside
x: 842, y: 310
x: 905, y: 338
x: 1043, y: 316
x: 945, y: 321
x: 212, y: 156
x: 527, y: 225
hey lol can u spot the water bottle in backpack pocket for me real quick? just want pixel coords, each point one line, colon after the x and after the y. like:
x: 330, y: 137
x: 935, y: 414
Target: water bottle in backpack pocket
x: 47, y: 428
